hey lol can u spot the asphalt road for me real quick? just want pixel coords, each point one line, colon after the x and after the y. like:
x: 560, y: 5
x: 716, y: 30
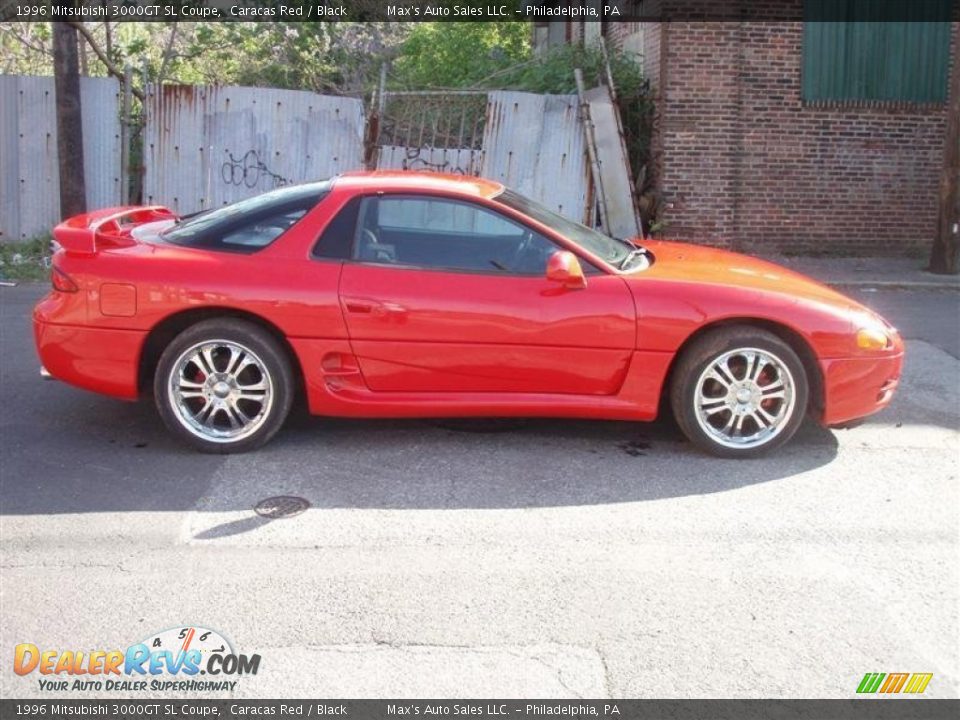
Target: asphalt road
x: 550, y: 559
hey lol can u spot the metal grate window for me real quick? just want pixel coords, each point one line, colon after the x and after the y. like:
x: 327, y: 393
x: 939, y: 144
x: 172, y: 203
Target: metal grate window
x: 872, y: 60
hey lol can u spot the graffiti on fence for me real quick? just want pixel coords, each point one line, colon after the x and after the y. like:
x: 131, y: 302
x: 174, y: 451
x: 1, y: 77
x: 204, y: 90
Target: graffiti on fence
x: 249, y: 170
x: 414, y: 161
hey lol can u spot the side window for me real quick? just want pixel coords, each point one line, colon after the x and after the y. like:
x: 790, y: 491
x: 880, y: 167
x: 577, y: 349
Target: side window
x: 263, y: 231
x: 443, y: 216
x: 248, y: 225
x: 336, y: 241
x: 448, y: 234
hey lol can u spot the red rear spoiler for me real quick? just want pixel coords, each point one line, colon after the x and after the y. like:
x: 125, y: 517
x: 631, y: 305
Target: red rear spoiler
x: 86, y: 234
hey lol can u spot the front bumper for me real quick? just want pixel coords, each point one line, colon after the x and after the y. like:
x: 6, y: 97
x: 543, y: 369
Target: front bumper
x: 857, y: 387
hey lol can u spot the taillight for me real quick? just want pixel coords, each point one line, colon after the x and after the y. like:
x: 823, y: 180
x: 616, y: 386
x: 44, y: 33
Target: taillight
x: 61, y: 281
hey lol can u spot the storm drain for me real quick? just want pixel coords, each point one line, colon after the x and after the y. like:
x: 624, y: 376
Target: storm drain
x: 281, y: 506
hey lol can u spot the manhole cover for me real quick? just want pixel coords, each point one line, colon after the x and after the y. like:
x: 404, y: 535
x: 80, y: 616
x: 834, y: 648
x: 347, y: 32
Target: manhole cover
x: 281, y: 506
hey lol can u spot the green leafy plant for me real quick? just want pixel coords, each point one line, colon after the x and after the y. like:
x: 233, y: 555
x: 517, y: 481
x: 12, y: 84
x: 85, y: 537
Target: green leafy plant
x: 26, y: 260
x: 458, y: 54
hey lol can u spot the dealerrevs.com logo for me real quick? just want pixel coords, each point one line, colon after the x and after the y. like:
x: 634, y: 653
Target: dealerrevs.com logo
x: 177, y: 659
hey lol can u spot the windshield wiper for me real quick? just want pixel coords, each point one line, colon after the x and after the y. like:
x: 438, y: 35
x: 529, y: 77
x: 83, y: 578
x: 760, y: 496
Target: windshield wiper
x: 191, y: 216
x: 635, y: 253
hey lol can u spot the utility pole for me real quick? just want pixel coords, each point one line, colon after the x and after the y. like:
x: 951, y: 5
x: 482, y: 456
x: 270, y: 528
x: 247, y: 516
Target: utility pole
x: 66, y: 76
x: 946, y: 244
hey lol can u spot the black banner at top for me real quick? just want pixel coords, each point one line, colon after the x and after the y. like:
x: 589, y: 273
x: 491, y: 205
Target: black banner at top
x: 170, y: 709
x: 537, y: 11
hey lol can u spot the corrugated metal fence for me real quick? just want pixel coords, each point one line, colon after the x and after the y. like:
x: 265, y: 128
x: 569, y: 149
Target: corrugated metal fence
x: 209, y: 146
x: 535, y: 145
x: 29, y: 175
x: 532, y: 143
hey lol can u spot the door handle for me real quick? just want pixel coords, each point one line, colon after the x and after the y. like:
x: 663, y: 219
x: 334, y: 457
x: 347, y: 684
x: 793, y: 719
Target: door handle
x: 363, y: 306
x: 356, y: 306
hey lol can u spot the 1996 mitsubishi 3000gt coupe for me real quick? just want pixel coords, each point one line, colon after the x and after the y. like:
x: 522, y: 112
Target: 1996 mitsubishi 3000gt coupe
x: 423, y: 295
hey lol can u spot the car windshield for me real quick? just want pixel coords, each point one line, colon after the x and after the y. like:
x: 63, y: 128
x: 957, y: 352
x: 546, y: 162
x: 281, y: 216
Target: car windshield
x: 611, y: 250
x: 251, y: 223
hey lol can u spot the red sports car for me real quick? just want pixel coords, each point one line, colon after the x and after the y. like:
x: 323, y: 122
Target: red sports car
x: 423, y: 295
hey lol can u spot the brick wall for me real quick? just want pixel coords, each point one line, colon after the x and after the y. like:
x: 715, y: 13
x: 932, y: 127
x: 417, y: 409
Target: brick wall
x: 617, y: 33
x: 740, y: 161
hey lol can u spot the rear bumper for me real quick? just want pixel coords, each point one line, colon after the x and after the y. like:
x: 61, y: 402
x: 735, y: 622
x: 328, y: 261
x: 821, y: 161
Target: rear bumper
x: 98, y: 359
x: 857, y: 387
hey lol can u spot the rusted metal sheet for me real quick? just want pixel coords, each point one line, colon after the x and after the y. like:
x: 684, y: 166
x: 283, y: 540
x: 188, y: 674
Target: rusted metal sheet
x: 535, y: 144
x: 29, y: 174
x: 210, y: 146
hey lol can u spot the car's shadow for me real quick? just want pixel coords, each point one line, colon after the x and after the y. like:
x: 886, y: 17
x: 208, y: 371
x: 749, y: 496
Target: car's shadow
x: 91, y: 454
x: 525, y: 463
x: 63, y: 450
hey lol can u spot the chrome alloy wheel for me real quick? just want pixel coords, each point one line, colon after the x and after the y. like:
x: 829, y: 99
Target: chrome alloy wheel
x: 220, y: 391
x: 744, y: 398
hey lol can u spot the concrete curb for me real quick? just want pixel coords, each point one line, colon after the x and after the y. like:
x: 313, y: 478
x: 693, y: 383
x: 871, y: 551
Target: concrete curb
x: 894, y: 284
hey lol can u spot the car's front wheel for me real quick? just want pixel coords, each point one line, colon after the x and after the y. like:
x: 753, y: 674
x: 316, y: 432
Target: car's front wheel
x: 224, y: 386
x: 739, y: 392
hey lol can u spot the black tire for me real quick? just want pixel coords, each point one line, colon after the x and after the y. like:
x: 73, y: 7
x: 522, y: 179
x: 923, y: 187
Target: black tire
x: 713, y: 346
x: 265, y: 363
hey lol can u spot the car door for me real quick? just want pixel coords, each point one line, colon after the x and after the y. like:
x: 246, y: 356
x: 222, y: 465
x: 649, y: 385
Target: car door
x: 445, y: 295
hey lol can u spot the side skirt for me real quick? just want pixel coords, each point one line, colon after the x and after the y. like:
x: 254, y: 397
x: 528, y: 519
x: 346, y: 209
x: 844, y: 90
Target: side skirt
x: 335, y: 387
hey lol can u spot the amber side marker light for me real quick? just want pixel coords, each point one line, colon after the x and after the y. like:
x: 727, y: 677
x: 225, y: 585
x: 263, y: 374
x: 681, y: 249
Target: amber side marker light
x: 872, y: 339
x: 62, y: 282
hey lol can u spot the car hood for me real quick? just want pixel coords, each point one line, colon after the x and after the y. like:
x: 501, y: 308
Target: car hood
x: 683, y: 262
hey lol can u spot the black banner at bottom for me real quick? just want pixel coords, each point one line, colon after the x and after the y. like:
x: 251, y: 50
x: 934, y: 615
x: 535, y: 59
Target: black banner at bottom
x: 872, y: 709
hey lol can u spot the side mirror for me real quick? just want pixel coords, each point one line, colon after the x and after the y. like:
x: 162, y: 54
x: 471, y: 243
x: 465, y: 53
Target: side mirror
x: 564, y: 268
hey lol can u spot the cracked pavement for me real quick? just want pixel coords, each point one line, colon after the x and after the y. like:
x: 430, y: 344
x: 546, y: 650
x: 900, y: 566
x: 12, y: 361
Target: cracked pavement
x: 542, y: 559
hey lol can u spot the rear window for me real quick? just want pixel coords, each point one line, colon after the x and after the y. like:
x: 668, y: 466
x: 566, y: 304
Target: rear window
x: 248, y: 225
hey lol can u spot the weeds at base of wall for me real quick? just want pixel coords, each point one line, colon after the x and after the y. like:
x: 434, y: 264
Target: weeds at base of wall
x: 26, y: 260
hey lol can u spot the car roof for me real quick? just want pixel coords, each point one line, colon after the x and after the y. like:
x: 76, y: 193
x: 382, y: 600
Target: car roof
x: 415, y: 180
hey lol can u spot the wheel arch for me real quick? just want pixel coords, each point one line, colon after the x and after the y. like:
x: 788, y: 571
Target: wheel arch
x: 797, y: 342
x: 167, y: 329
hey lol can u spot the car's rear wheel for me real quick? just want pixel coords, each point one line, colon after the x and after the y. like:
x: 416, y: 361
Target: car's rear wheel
x: 224, y: 386
x: 739, y: 392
